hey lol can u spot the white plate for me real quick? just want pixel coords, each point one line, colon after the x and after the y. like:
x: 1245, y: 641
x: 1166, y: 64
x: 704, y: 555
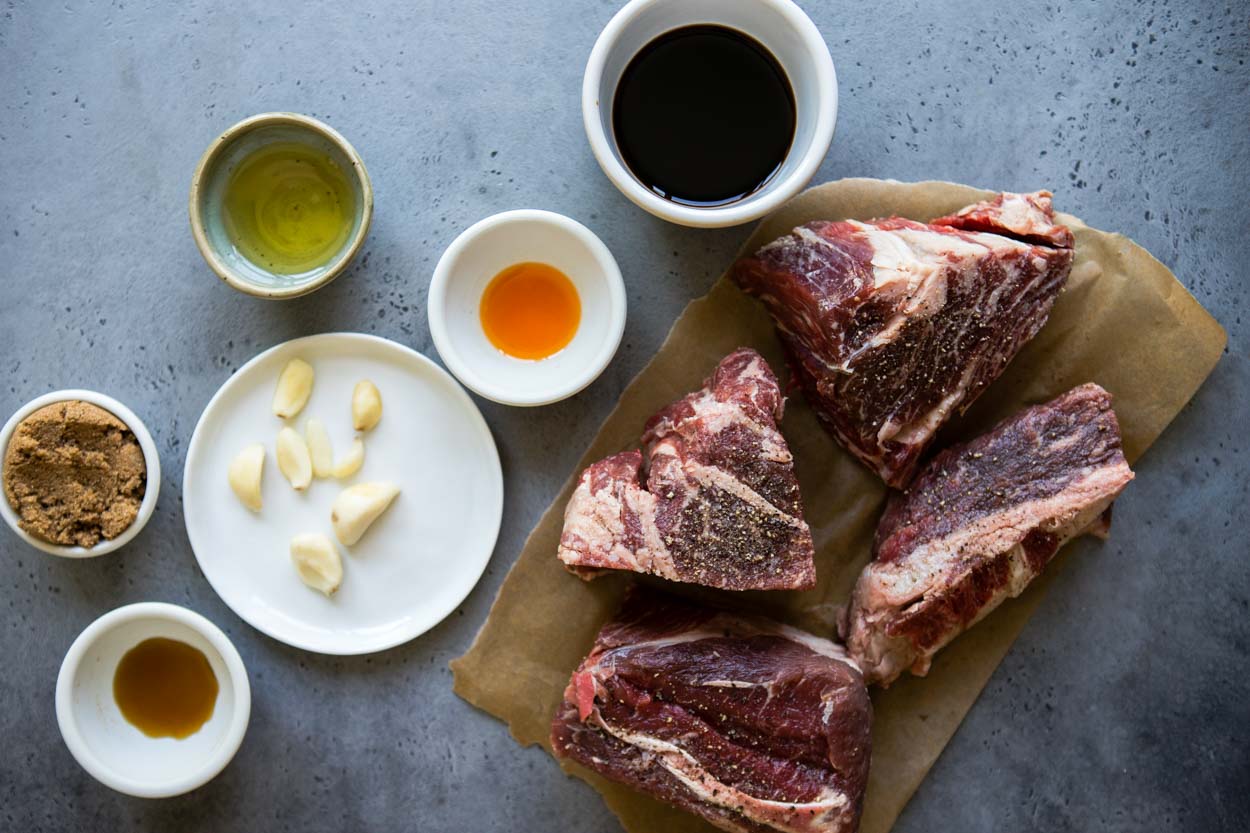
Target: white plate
x: 415, y: 564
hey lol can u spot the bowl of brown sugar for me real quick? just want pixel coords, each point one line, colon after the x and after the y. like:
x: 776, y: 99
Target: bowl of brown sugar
x: 80, y: 473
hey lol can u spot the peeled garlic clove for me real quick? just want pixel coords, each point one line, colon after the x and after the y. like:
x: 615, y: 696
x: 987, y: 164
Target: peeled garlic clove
x: 319, y: 448
x: 359, y: 506
x: 366, y: 405
x: 317, y: 561
x: 294, y: 461
x: 294, y: 388
x: 244, y: 475
x: 352, y: 460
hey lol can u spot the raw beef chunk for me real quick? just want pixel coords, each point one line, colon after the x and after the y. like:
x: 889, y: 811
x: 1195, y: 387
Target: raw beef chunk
x: 753, y: 725
x: 892, y: 326
x: 712, y: 499
x: 979, y: 523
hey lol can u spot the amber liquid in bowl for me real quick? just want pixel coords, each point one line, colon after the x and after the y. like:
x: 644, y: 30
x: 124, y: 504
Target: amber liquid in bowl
x: 165, y: 688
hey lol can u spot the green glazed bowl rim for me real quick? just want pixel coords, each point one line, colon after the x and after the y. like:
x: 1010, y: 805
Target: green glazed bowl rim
x: 223, y: 269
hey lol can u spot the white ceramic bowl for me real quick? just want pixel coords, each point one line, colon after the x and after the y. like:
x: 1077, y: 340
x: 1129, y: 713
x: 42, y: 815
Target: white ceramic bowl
x: 113, y: 751
x: 150, y: 459
x: 783, y: 29
x: 490, y: 246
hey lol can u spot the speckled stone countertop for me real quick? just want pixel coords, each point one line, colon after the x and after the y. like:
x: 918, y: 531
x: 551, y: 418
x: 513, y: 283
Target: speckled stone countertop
x: 1123, y: 706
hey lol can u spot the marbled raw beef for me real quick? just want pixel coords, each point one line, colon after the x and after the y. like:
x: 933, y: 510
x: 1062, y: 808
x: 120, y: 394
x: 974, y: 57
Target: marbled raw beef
x: 751, y: 724
x: 979, y: 523
x: 712, y: 498
x: 892, y: 326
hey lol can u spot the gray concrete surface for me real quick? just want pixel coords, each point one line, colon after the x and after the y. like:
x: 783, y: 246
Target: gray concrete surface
x: 1124, y: 706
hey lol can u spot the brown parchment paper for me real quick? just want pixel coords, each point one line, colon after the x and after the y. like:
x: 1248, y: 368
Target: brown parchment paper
x: 1123, y: 321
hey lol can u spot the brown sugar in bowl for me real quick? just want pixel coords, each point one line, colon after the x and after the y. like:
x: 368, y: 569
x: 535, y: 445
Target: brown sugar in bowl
x: 112, y: 524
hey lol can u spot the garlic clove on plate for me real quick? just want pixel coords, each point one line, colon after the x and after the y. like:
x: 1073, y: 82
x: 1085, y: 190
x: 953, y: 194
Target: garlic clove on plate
x: 294, y: 461
x: 244, y: 475
x: 351, y: 461
x: 294, y: 387
x: 319, y: 447
x: 317, y: 561
x: 366, y: 405
x: 357, y: 507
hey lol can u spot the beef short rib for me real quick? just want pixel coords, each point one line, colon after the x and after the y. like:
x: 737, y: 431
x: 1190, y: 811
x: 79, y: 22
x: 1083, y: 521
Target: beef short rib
x: 892, y: 326
x: 978, y: 524
x: 753, y: 725
x: 711, y: 499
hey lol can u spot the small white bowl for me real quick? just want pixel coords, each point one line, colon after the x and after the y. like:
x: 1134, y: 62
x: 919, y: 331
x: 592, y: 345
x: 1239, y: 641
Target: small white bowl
x: 151, y: 461
x: 484, y: 250
x: 784, y: 29
x: 113, y: 751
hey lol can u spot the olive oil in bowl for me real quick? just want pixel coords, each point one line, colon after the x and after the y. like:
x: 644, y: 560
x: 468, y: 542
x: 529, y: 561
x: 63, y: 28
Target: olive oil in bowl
x: 288, y: 208
x: 280, y: 204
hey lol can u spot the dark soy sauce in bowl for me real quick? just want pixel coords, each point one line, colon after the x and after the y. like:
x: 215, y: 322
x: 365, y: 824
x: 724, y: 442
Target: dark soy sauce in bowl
x: 703, y: 115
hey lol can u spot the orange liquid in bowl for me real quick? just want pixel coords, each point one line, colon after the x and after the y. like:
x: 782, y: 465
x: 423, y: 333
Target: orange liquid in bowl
x: 530, y: 310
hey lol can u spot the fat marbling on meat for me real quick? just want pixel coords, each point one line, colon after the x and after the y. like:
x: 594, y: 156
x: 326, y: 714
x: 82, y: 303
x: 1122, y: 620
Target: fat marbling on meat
x: 892, y: 326
x: 711, y: 499
x: 979, y: 523
x: 749, y: 723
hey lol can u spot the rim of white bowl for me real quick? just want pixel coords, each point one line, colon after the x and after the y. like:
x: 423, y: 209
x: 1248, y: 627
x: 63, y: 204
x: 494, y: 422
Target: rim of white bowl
x: 609, y: 273
x: 774, y: 193
x: 222, y: 753
x: 151, y: 461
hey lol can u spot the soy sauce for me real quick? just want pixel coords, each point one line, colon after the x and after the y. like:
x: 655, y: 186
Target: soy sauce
x: 703, y: 115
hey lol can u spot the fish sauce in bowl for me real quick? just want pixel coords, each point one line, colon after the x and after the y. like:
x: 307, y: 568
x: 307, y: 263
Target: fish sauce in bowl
x: 165, y: 688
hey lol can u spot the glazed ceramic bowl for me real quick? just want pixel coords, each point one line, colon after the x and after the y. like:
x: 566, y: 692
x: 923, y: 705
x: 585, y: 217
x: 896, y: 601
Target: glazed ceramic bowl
x: 208, y: 188
x: 490, y: 246
x: 784, y: 29
x: 151, y: 461
x: 116, y: 753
